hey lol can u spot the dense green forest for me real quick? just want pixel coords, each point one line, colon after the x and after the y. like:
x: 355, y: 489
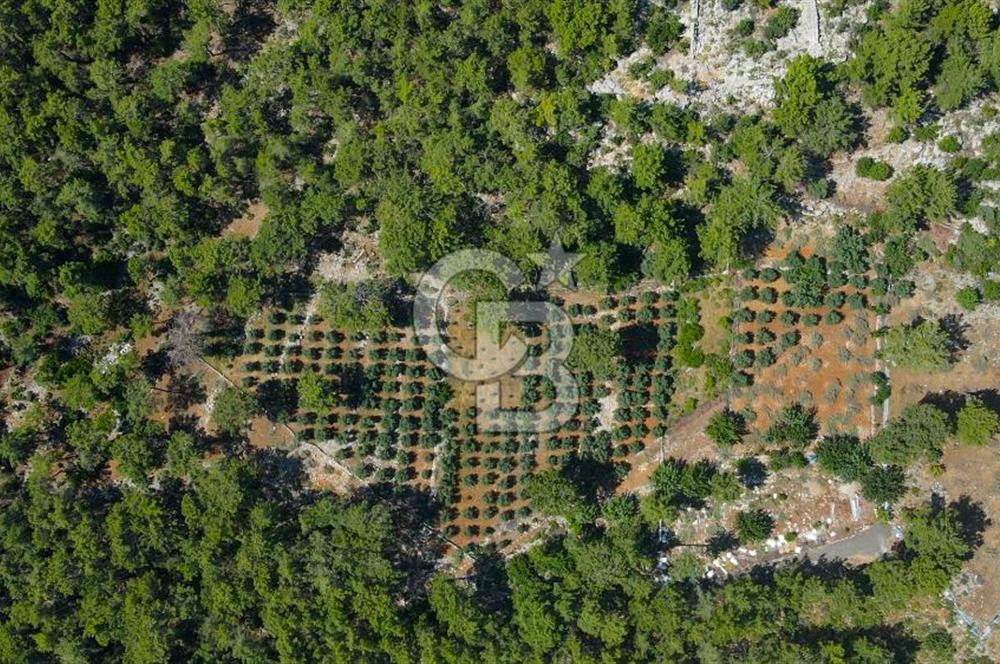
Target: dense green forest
x: 133, y: 134
x: 224, y: 563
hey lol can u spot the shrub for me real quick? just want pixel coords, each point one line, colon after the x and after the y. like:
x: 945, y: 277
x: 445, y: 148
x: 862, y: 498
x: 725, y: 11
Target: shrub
x: 976, y: 424
x: 927, y: 132
x: 744, y: 28
x: 786, y: 458
x: 820, y: 188
x: 897, y: 135
x: 789, y: 339
x: 919, y: 431
x: 872, y: 169
x: 843, y: 457
x: 922, y: 345
x: 765, y: 358
x: 950, y: 144
x: 743, y: 359
x: 968, y: 298
x: 725, y: 428
x: 769, y: 275
x: 795, y: 425
x: 781, y: 22
x: 754, y: 525
x: 884, y: 484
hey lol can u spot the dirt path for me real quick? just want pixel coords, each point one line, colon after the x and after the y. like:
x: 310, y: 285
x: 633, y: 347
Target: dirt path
x: 695, y: 26
x: 810, y: 19
x: 869, y: 544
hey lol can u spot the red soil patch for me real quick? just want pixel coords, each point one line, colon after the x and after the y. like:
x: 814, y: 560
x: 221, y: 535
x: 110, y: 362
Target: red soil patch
x: 248, y: 225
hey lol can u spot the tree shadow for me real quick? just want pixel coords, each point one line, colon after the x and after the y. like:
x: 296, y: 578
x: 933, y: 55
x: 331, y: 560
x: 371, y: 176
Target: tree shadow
x: 489, y: 572
x: 594, y: 478
x: 949, y: 401
x: 155, y: 364
x: 955, y: 328
x: 972, y: 520
x: 990, y: 399
x: 751, y: 472
x: 185, y: 422
x: 756, y: 242
x: 638, y: 342
x: 184, y: 391
x: 415, y: 514
x: 225, y: 337
x: 278, y: 399
x: 281, y: 475
x: 721, y: 542
x: 252, y: 22
x: 827, y: 569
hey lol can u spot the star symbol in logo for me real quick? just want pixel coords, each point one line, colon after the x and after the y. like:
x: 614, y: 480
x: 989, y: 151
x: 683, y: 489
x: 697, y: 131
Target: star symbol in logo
x: 556, y: 264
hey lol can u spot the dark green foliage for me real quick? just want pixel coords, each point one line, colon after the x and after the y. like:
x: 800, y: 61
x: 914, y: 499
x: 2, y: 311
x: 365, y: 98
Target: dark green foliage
x: 785, y: 458
x: 976, y: 424
x: 968, y: 298
x: 921, y: 345
x: 949, y: 144
x: 843, y: 457
x: 807, y: 277
x: 742, y: 206
x: 725, y: 428
x: 795, y: 425
x: 921, y: 430
x: 882, y: 388
x: 866, y: 167
x: 555, y: 494
x: 754, y: 526
x: 594, y: 351
x: 920, y: 195
x: 781, y: 22
x: 884, y: 484
x: 685, y: 350
x: 663, y: 30
x: 974, y: 252
x: 744, y: 27
x: 769, y: 274
x: 810, y: 106
x: 849, y: 250
x: 232, y: 409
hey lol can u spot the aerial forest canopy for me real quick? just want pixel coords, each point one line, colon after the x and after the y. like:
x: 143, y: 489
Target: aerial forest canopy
x: 134, y: 134
x: 183, y: 189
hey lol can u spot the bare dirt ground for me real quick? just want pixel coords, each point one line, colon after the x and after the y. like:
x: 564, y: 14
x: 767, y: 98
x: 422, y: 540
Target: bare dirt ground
x: 976, y: 334
x: 247, y: 225
x: 828, y: 370
x: 973, y: 473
